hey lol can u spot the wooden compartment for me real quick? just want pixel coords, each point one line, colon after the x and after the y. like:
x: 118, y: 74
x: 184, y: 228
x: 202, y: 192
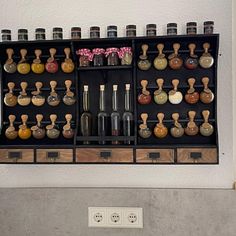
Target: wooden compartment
x: 197, y: 155
x: 54, y: 155
x: 16, y: 155
x: 155, y: 156
x: 104, y: 155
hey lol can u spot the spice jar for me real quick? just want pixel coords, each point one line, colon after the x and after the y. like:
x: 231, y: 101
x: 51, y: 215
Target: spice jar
x: 94, y: 32
x: 6, y: 35
x: 37, y: 66
x: 68, y: 65
x: 160, y: 62
x: 23, y: 99
x: 11, y: 132
x: 57, y: 33
x: 144, y: 97
x: 191, y: 62
x: 160, y: 96
x: 144, y: 131
x: 206, y: 96
x: 192, y: 96
x: 112, y: 56
x: 206, y: 129
x: 208, y: 27
x: 130, y: 30
x: 175, y: 97
x: 53, y: 99
x: 191, y: 28
x: 143, y: 62
x: 125, y: 54
x: 10, y: 65
x: 38, y: 131
x: 69, y: 98
x: 171, y: 29
x: 24, y: 132
x: 175, y: 61
x: 151, y: 29
x: 191, y: 129
x: 53, y: 131
x: 22, y: 34
x: 68, y: 132
x: 177, y: 130
x: 37, y: 99
x: 23, y: 67
x: 75, y: 33
x: 40, y: 34
x: 160, y: 131
x: 206, y: 60
x: 10, y: 99
x: 85, y: 56
x: 98, y: 56
x: 112, y: 31
x: 52, y: 65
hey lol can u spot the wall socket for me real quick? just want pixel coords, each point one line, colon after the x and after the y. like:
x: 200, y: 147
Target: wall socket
x: 115, y: 217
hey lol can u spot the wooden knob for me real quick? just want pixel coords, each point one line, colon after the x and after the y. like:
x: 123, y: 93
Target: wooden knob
x: 160, y: 117
x: 38, y: 85
x: 11, y: 86
x: 52, y: 52
x: 206, y: 114
x: 191, y: 82
x: 205, y: 81
x: 68, y: 84
x: 67, y: 52
x: 192, y: 47
x: 39, y: 118
x: 206, y: 47
x: 23, y: 53
x: 68, y: 118
x: 176, y: 47
x: 11, y: 118
x: 53, y: 84
x: 144, y: 117
x: 191, y: 115
x: 144, y: 84
x: 175, y: 116
x: 53, y: 118
x: 23, y: 86
x: 160, y: 47
x: 9, y: 52
x: 37, y: 53
x: 24, y: 119
x: 160, y: 83
x: 144, y: 49
x: 175, y: 83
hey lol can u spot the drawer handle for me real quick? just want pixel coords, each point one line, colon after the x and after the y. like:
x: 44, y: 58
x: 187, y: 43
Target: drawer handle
x: 52, y: 155
x: 196, y: 155
x: 105, y: 154
x: 154, y: 155
x: 14, y: 155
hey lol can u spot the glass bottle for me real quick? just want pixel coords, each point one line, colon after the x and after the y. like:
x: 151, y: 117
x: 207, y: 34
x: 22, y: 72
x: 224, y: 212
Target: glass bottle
x: 38, y: 99
x: 23, y: 99
x: 98, y: 56
x: 206, y: 129
x: 175, y: 61
x: 102, y: 116
x: 208, y: 27
x: 53, y: 131
x: 175, y: 96
x: 53, y: 99
x: 38, y: 131
x: 10, y: 99
x: 125, y: 55
x: 112, y: 56
x: 24, y: 132
x: 11, y: 132
x: 191, y: 28
x: 115, y: 116
x: 144, y: 97
x: 6, y: 35
x: 144, y: 131
x: 206, y: 60
x: 206, y: 96
x: 86, y: 117
x: 85, y: 56
x: 40, y: 34
x: 191, y: 96
x: 10, y: 65
x: 160, y: 131
x: 191, y: 129
x: 128, y: 118
x: 57, y: 33
x: 177, y: 130
x: 69, y: 97
x: 171, y: 28
x: 160, y: 96
x: 191, y: 61
x: 143, y: 62
x: 160, y: 62
x: 52, y: 65
x: 68, y: 132
x: 37, y: 66
x: 68, y: 65
x: 23, y: 67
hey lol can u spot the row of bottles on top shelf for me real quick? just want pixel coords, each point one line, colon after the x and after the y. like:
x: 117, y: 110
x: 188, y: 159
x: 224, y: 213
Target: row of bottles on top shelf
x: 114, y: 56
x: 177, y: 130
x: 38, y: 131
x: 38, y: 99
x: 51, y: 66
x: 103, y: 122
x: 175, y: 61
x: 175, y: 96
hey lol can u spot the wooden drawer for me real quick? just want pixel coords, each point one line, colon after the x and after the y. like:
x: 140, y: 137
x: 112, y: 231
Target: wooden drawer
x: 16, y: 155
x: 197, y: 155
x: 104, y: 155
x: 54, y: 155
x: 155, y: 156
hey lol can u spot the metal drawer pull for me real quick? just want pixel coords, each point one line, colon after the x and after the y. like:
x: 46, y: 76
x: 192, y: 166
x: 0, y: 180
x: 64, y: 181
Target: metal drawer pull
x: 53, y: 155
x: 154, y: 155
x: 14, y: 155
x: 105, y: 154
x: 195, y: 155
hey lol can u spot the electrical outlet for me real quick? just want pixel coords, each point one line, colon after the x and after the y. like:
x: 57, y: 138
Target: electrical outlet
x: 115, y: 217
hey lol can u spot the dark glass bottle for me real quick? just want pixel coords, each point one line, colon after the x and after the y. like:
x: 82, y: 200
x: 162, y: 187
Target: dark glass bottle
x: 128, y: 118
x: 102, y: 116
x: 115, y: 116
x: 86, y: 117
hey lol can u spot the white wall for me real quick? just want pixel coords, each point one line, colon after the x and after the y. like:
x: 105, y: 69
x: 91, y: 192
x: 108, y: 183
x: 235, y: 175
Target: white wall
x: 31, y: 14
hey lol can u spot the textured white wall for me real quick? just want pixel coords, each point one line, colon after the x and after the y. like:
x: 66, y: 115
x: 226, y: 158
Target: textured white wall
x: 31, y: 14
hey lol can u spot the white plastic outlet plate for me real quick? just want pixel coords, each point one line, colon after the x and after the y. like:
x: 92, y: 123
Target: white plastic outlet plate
x: 115, y: 217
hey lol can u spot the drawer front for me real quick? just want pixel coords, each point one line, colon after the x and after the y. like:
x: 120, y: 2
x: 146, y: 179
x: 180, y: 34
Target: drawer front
x: 104, y: 155
x: 54, y: 155
x: 16, y: 155
x: 155, y: 156
x: 197, y: 155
